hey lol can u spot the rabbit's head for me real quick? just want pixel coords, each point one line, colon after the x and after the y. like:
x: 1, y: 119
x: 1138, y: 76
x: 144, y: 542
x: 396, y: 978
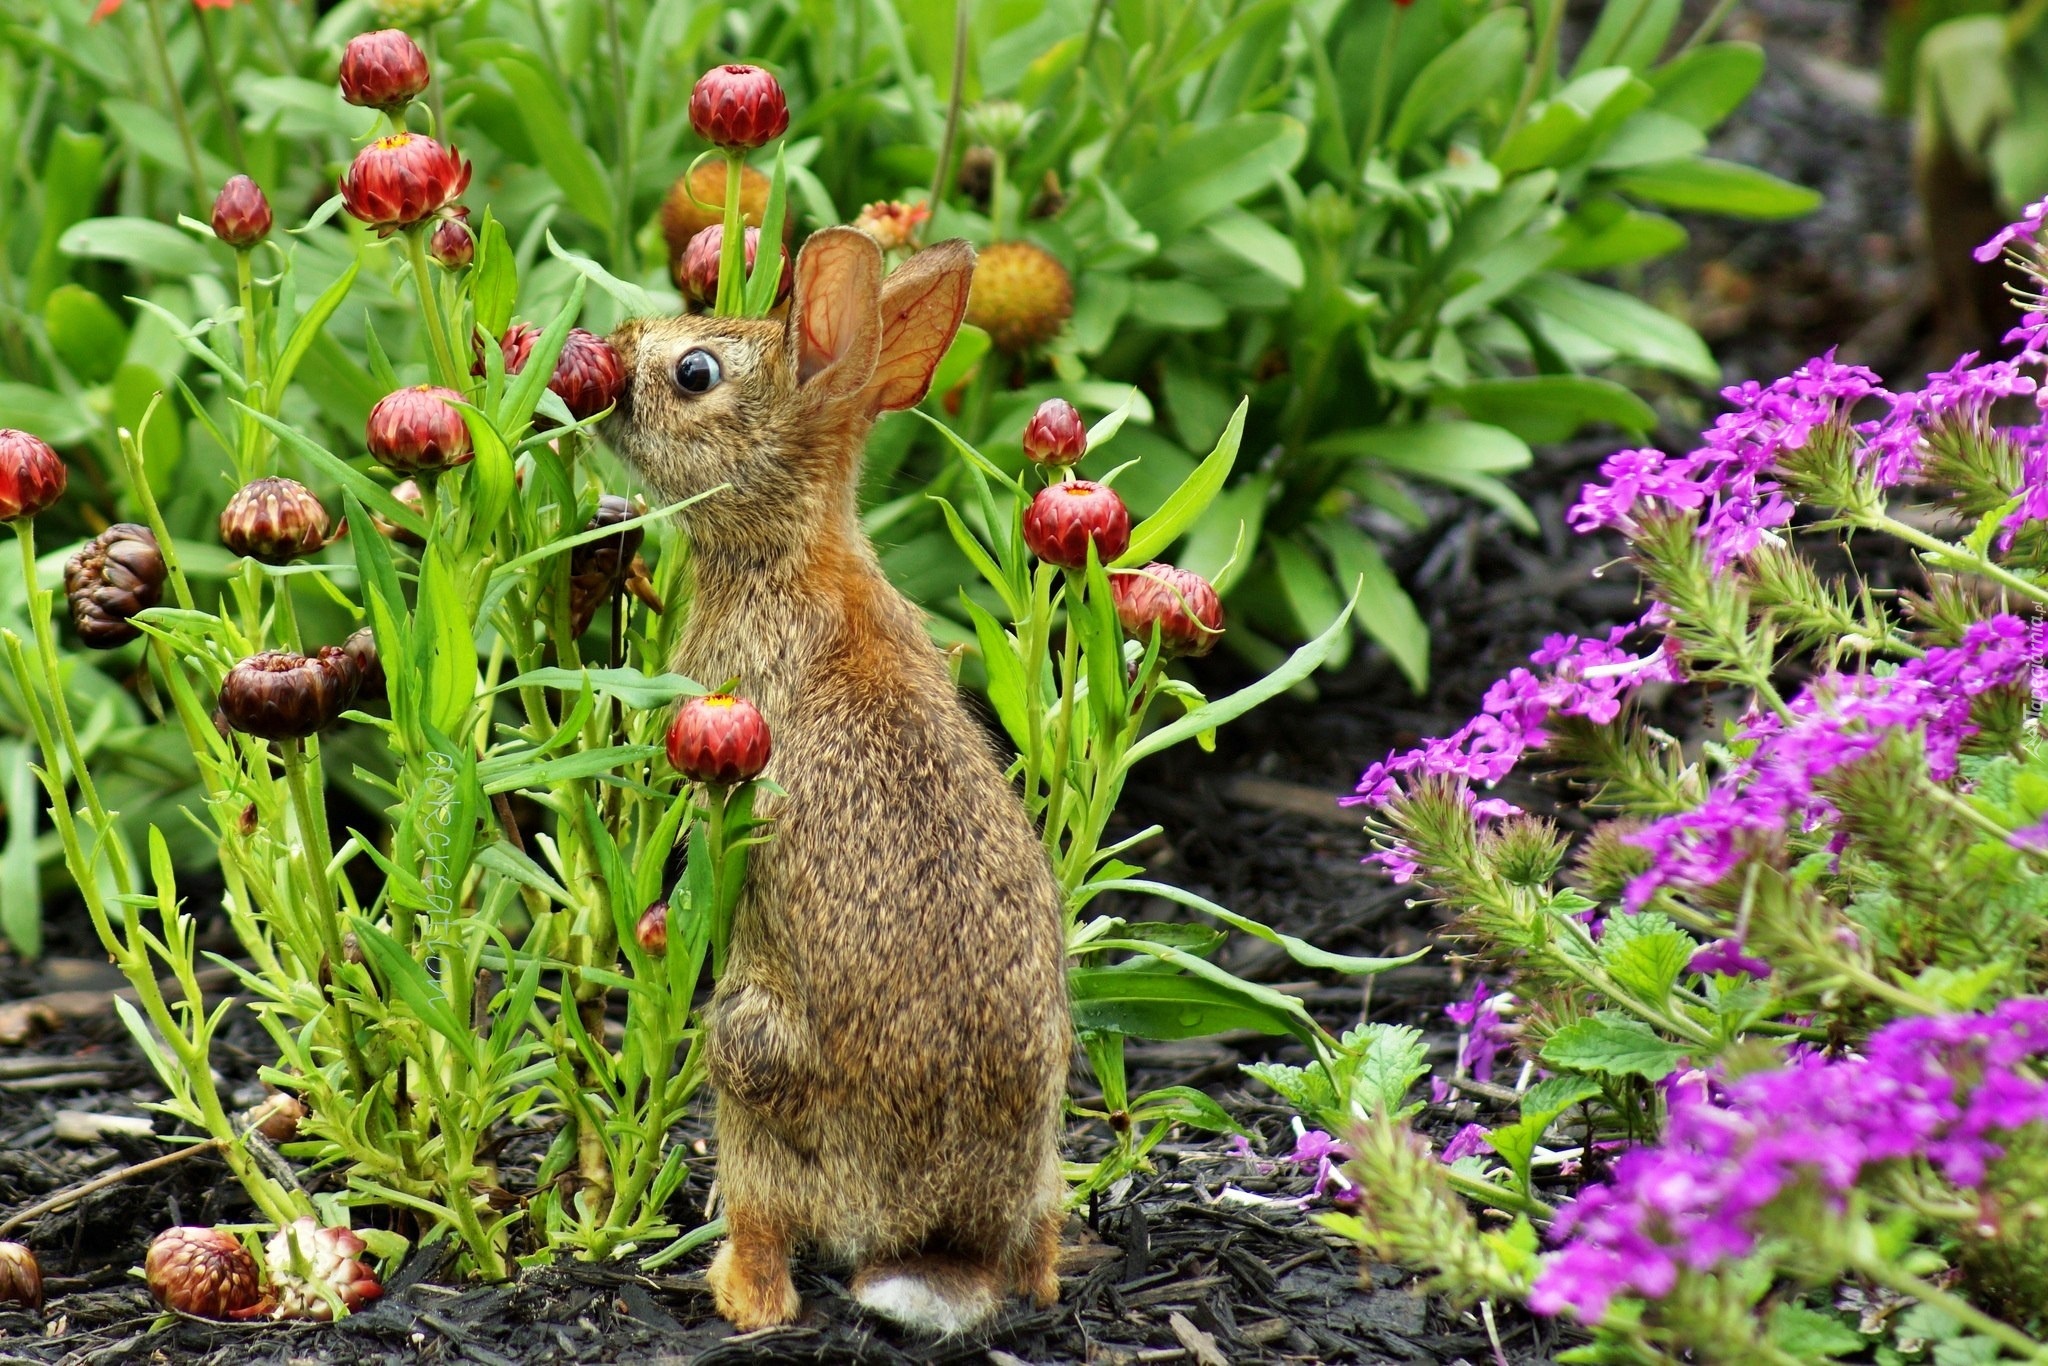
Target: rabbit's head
x: 778, y: 411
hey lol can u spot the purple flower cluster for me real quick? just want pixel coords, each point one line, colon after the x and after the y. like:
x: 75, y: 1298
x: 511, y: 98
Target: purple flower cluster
x: 1944, y: 1090
x: 1838, y: 719
x: 1963, y: 394
x: 2027, y: 230
x: 1727, y: 482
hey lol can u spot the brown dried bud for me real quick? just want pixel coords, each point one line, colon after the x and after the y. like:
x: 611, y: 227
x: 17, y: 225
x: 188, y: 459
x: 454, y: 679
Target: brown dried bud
x: 351, y: 948
x: 21, y: 1279
x: 598, y: 569
x: 273, y: 520
x: 406, y: 491
x: 361, y: 646
x: 109, y: 579
x: 246, y: 822
x: 277, y: 1116
x: 201, y: 1271
x: 277, y: 695
x: 652, y: 931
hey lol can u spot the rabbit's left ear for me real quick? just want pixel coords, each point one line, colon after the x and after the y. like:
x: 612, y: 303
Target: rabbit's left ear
x: 922, y: 305
x: 834, y: 323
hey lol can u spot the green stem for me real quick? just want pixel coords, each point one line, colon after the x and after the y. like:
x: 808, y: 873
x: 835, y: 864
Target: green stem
x: 452, y: 375
x: 622, y: 115
x: 1540, y: 70
x: 1709, y: 26
x: 1382, y: 77
x: 1487, y: 1193
x: 39, y: 602
x: 177, y: 99
x: 1955, y: 555
x: 1063, y: 741
x: 957, y: 93
x: 732, y: 251
x: 1881, y: 1271
x: 255, y: 436
x: 230, y: 121
x: 139, y: 489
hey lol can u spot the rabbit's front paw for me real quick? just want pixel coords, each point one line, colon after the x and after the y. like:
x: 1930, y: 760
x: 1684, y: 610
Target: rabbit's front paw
x: 759, y: 1053
x: 750, y: 1281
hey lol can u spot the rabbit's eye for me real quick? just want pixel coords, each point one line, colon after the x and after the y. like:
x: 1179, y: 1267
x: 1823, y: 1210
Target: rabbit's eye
x: 698, y: 372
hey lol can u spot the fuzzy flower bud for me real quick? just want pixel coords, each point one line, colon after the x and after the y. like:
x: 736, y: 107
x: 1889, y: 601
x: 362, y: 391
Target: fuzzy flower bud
x: 1022, y: 296
x: 21, y: 1279
x: 201, y: 1271
x: 383, y: 70
x: 1055, y: 435
x: 31, y: 475
x: 273, y: 520
x: 893, y: 223
x: 697, y: 200
x: 313, y: 1268
x: 718, y: 739
x: 415, y: 430
x: 453, y: 245
x: 401, y: 180
x: 278, y: 695
x: 109, y: 579
x: 738, y: 107
x: 1179, y: 602
x: 698, y: 275
x: 652, y: 931
x: 241, y: 215
x: 1064, y: 518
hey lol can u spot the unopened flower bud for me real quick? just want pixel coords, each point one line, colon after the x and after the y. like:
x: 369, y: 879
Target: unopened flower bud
x: 718, y: 739
x: 406, y: 491
x: 277, y: 1116
x: 110, y: 579
x: 1180, y: 603
x: 21, y: 1278
x: 305, y: 1259
x: 1064, y: 518
x: 652, y: 931
x: 273, y: 520
x: 278, y: 695
x: 1022, y: 296
x: 697, y: 200
x: 201, y: 1271
x: 416, y: 430
x: 738, y: 107
x: 698, y: 278
x: 383, y: 70
x: 1055, y: 435
x: 588, y: 375
x: 453, y: 245
x: 31, y: 475
x: 241, y: 215
x: 598, y: 569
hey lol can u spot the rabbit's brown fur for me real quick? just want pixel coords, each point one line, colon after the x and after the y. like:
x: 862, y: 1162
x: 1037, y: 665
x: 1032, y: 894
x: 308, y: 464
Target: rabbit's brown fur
x: 890, y: 1041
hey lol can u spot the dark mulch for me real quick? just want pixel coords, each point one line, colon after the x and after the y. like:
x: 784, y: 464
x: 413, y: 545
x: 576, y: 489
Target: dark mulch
x: 1211, y: 1257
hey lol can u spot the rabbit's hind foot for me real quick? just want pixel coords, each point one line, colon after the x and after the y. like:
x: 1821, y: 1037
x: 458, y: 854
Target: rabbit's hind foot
x: 943, y: 1296
x: 749, y: 1277
x: 1038, y: 1268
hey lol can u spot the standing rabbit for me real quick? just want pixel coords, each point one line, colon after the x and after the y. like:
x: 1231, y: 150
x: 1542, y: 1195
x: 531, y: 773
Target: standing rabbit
x: 890, y: 1041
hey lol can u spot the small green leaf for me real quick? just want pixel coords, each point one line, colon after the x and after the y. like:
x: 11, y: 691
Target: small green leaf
x: 140, y: 242
x: 1151, y: 537
x: 1614, y: 1046
x: 1704, y: 184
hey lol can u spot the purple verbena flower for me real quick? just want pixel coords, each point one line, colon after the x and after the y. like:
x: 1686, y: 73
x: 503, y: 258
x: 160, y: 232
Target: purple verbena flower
x: 1726, y: 958
x: 1484, y: 1032
x: 1469, y: 1141
x: 2027, y: 230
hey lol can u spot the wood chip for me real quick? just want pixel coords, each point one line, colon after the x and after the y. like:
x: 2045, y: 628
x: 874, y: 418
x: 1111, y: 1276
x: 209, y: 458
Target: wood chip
x: 1200, y: 1345
x: 80, y: 1126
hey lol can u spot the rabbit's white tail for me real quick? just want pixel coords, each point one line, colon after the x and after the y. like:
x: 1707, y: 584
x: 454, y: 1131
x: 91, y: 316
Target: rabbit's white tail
x: 943, y: 1296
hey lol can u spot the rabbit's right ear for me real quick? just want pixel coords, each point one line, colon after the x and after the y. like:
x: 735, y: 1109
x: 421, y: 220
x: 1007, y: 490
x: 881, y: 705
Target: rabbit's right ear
x: 835, y: 320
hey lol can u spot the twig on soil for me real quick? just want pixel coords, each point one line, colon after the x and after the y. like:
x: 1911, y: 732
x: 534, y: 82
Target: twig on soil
x: 74, y: 1194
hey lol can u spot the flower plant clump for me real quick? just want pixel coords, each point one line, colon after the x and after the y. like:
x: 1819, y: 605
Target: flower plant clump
x: 1783, y: 1011
x: 463, y: 816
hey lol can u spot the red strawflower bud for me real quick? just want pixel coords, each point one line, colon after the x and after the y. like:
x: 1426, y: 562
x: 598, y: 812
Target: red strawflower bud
x: 652, y: 931
x: 278, y: 695
x: 1055, y: 435
x: 453, y: 245
x: 718, y: 739
x: 406, y: 491
x: 31, y: 475
x: 1064, y: 518
x: 700, y: 265
x: 401, y: 180
x: 588, y: 375
x: 303, y: 1256
x: 361, y: 648
x: 109, y: 579
x: 201, y: 1271
x: 515, y: 346
x: 383, y: 70
x: 1179, y: 602
x: 415, y: 430
x: 273, y: 520
x: 736, y: 106
x: 241, y: 215
x: 21, y: 1279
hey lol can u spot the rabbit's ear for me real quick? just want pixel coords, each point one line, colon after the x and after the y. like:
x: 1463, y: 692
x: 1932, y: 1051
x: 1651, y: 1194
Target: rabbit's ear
x: 834, y: 325
x: 922, y: 305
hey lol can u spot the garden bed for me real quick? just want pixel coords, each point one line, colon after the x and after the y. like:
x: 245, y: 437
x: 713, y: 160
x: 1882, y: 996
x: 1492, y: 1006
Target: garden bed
x: 1212, y: 1257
